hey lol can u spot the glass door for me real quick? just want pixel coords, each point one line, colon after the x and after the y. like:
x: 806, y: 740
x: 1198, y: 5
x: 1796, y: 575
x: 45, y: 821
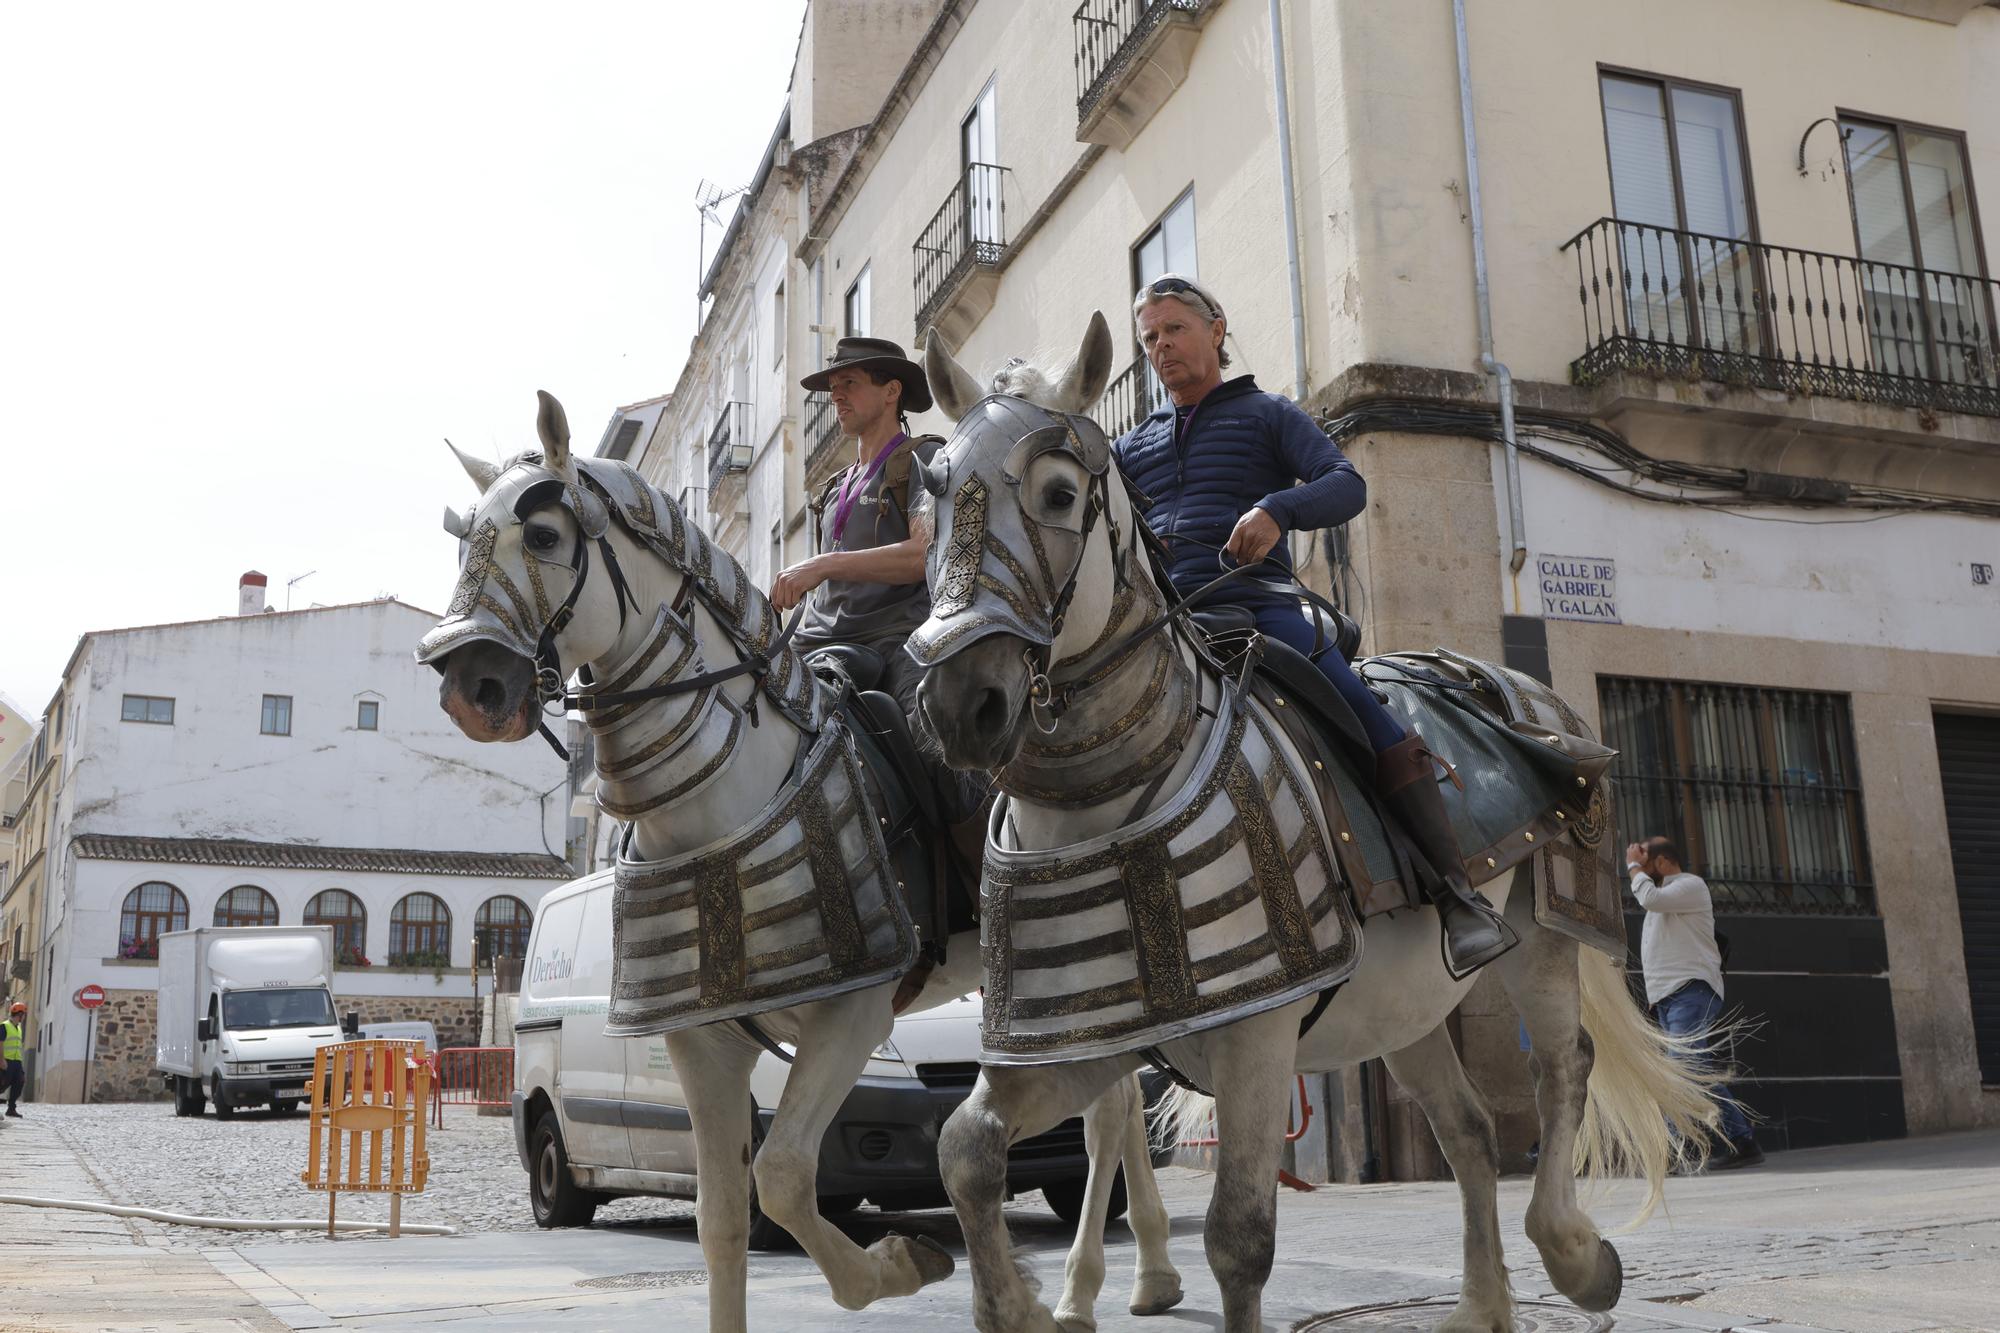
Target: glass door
x: 979, y: 152
x: 1681, y: 194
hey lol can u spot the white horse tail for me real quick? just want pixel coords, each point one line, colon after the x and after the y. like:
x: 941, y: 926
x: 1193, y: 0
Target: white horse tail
x: 1181, y: 1114
x: 1647, y: 1089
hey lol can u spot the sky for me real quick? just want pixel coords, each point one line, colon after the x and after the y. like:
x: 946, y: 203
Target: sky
x: 258, y: 260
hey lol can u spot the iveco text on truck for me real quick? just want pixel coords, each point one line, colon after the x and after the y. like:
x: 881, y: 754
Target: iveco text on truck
x: 242, y: 1009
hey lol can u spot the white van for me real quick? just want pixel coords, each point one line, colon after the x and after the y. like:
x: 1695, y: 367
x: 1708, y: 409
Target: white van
x: 597, y: 1117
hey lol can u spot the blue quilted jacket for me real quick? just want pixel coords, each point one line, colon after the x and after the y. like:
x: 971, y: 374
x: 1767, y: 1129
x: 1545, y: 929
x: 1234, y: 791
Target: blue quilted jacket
x: 1239, y: 448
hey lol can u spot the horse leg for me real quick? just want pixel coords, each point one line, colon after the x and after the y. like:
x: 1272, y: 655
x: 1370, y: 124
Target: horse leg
x: 1541, y: 979
x: 835, y: 1037
x: 1250, y: 1064
x: 1006, y: 1105
x: 1429, y: 1071
x: 715, y: 1078
x: 1156, y: 1283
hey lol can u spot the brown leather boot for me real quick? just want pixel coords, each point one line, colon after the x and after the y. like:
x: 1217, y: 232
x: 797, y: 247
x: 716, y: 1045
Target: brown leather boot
x: 1474, y: 934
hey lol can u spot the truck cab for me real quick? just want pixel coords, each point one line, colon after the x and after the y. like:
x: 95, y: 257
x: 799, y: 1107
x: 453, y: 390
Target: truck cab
x: 242, y: 1010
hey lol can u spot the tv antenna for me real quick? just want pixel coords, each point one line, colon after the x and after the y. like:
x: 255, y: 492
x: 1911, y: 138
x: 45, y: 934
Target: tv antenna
x: 708, y: 196
x: 293, y: 583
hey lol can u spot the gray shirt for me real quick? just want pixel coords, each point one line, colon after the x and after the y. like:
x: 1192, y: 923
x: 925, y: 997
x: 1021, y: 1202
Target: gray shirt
x: 842, y: 611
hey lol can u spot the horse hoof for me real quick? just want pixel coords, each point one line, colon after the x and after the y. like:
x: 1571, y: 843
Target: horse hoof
x: 933, y: 1262
x: 1156, y: 1297
x: 1606, y: 1285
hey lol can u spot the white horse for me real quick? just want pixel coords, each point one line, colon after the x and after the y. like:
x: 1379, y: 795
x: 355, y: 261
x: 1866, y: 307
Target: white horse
x: 1607, y: 1084
x: 581, y: 562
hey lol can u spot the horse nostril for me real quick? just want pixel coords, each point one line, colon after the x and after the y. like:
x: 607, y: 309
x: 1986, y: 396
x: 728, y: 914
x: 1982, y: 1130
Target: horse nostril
x: 489, y: 695
x: 990, y: 717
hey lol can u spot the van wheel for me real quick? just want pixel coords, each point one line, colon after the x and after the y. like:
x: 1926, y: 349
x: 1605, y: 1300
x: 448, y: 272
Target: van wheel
x: 223, y: 1109
x: 555, y: 1197
x: 284, y: 1108
x: 187, y: 1096
x: 1066, y: 1198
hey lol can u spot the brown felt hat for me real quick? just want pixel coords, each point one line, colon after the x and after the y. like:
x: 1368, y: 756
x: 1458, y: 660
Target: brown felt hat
x: 875, y: 354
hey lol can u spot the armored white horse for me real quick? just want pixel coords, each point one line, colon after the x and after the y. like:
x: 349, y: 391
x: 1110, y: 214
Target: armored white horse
x: 760, y: 895
x: 1172, y: 855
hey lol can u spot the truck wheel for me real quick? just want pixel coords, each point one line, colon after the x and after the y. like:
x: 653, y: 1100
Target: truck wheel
x: 1066, y: 1198
x: 223, y: 1108
x: 187, y: 1096
x: 556, y: 1198
x: 284, y: 1108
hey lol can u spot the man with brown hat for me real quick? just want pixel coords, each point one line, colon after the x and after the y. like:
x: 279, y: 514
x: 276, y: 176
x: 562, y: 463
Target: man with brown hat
x: 865, y: 584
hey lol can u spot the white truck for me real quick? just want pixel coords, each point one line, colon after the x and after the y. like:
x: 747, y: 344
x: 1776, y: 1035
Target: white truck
x: 242, y: 1009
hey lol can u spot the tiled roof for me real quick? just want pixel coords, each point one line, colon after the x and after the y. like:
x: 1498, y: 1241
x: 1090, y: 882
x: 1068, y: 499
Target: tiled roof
x: 309, y: 856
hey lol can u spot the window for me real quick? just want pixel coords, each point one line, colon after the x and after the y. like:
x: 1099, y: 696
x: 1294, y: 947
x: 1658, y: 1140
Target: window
x: 420, y: 932
x: 1168, y: 247
x: 857, y: 305
x: 1679, y: 180
x: 778, y: 326
x: 147, y: 708
x: 343, y: 911
x: 151, y: 910
x: 366, y: 714
x: 246, y: 905
x: 1912, y: 196
x: 277, y: 720
x: 1758, y: 787
x: 500, y: 930
x: 979, y: 157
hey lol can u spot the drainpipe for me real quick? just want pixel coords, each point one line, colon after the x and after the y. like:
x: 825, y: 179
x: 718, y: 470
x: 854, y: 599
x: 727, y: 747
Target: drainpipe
x: 1516, y: 526
x: 1291, y: 205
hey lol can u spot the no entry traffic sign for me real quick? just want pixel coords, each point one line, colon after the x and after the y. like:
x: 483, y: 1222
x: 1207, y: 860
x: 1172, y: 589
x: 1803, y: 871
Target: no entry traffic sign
x: 89, y: 997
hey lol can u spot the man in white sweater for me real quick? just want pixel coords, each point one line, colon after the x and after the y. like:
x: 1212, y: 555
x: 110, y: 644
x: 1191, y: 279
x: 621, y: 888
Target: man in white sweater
x: 1684, y: 969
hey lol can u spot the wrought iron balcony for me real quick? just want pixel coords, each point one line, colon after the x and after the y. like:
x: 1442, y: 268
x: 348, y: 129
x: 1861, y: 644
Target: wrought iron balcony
x: 1130, y: 399
x: 954, y: 255
x: 729, y: 442
x: 1686, y: 305
x: 1130, y: 56
x: 822, y: 435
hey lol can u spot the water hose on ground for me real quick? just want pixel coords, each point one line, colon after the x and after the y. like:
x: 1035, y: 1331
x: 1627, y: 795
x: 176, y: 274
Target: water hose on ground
x: 223, y: 1223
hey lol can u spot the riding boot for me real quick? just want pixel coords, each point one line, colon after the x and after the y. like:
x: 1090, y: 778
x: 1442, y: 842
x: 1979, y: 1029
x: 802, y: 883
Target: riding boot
x: 1474, y: 934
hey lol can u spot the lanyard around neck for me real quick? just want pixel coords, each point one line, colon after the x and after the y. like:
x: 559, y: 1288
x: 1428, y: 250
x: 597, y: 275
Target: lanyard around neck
x: 857, y: 482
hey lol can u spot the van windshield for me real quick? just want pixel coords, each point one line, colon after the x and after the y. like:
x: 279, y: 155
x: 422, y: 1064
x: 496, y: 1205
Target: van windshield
x: 250, y: 1010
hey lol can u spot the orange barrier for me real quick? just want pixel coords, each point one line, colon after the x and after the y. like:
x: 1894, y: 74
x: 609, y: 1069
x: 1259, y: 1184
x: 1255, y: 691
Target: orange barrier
x: 471, y: 1076
x: 1295, y: 1130
x: 366, y: 1126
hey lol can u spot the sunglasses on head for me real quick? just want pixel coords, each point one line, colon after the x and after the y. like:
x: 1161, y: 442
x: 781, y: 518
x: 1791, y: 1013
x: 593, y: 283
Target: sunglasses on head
x: 1180, y: 287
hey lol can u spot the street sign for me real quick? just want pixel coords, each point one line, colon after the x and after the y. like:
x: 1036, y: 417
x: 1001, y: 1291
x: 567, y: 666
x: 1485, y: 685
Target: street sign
x: 89, y: 997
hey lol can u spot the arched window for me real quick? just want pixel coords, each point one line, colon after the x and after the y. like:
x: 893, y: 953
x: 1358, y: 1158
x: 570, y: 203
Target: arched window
x: 246, y: 905
x: 343, y: 911
x: 500, y: 930
x: 419, y: 930
x: 151, y: 910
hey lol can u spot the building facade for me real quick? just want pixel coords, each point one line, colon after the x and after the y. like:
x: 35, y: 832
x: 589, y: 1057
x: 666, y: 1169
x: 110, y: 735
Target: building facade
x: 1741, y: 308
x: 270, y: 768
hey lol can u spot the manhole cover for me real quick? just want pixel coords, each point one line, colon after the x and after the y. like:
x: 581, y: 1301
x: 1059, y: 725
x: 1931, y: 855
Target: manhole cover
x: 1422, y: 1316
x: 678, y: 1277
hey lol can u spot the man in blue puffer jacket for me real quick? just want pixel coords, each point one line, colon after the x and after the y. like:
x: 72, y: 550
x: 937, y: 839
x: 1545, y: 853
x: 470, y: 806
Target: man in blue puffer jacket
x: 1230, y: 468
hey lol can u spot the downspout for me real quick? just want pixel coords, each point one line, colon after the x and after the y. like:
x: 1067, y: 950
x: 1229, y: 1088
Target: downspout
x: 1291, y: 204
x: 1516, y: 525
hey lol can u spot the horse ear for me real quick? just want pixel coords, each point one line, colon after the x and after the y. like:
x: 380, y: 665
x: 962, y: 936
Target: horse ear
x: 954, y: 389
x: 553, y: 426
x: 1083, y: 383
x: 483, y: 473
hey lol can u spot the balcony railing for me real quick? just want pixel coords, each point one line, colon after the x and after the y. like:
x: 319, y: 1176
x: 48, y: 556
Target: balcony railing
x: 1130, y: 399
x: 1107, y: 34
x: 729, y: 442
x: 969, y: 229
x: 822, y: 432
x: 1688, y: 305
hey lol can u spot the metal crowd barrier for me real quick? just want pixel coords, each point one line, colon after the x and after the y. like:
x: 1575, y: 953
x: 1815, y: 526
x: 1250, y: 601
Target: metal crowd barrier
x: 471, y: 1076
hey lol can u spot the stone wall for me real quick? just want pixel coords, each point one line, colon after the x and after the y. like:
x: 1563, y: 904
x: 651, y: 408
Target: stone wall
x: 121, y: 1064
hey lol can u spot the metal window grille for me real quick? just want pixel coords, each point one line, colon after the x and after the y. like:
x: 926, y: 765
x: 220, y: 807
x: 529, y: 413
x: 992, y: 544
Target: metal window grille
x: 822, y: 430
x: 1136, y: 394
x: 1107, y: 34
x: 500, y: 929
x: 1759, y: 788
x: 969, y: 229
x: 420, y: 925
x: 246, y: 905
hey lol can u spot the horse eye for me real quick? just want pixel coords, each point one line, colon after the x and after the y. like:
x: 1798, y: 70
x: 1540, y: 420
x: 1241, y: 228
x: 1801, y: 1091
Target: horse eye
x: 1061, y: 497
x: 542, y: 539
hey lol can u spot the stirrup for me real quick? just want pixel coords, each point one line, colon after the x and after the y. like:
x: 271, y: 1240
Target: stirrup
x: 1508, y: 939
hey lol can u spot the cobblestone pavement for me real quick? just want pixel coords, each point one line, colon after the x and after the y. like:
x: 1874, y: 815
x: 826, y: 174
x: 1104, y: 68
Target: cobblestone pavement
x: 249, y: 1165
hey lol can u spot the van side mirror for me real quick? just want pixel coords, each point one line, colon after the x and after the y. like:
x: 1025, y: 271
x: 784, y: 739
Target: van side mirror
x: 204, y: 1030
x: 350, y: 1024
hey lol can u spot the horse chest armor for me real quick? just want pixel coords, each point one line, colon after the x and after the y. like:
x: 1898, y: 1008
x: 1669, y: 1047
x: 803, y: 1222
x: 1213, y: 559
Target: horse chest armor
x: 1221, y: 904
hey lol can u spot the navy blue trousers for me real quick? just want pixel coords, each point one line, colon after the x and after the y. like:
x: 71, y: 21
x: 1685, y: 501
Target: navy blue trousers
x: 1289, y: 627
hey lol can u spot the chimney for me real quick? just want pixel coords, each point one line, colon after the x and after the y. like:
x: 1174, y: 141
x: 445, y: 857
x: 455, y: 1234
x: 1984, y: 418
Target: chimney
x: 250, y: 594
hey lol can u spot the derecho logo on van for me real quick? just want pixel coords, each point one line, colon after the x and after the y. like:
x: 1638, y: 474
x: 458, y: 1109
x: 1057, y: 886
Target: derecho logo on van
x: 560, y: 967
